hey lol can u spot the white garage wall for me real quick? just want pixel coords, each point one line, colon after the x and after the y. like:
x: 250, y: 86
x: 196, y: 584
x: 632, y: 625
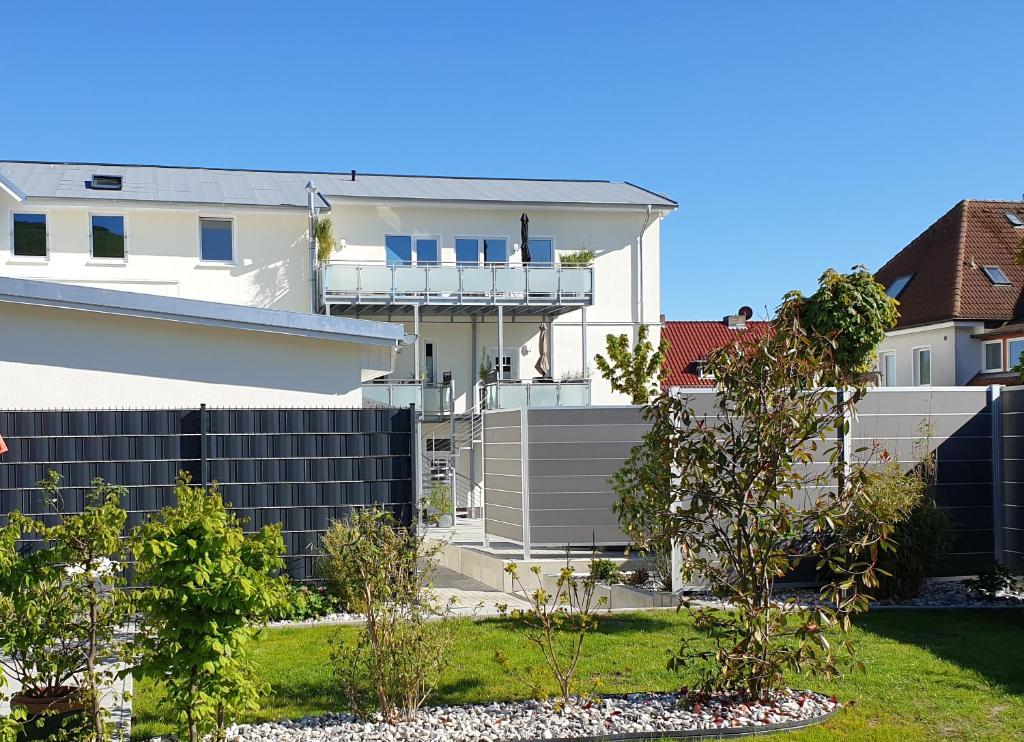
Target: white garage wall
x: 61, y: 358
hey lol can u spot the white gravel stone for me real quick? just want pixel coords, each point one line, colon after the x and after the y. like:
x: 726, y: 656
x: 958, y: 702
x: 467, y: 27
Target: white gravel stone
x: 532, y: 720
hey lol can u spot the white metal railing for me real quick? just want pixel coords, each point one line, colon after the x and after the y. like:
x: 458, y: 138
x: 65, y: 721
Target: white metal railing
x: 454, y: 284
x: 510, y: 394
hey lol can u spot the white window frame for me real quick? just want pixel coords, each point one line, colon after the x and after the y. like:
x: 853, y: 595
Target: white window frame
x: 916, y: 364
x: 702, y: 371
x: 108, y: 261
x: 984, y: 356
x: 554, y: 248
x: 882, y: 376
x: 481, y: 259
x: 29, y: 259
x: 423, y: 359
x: 234, y: 240
x: 1009, y: 362
x: 414, y: 254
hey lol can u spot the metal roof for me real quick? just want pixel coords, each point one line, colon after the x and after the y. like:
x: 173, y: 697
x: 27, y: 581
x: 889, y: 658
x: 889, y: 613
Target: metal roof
x: 160, y: 183
x: 193, y: 311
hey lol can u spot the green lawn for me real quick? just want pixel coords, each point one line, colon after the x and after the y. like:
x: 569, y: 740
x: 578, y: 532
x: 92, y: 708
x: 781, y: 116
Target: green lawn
x: 930, y: 674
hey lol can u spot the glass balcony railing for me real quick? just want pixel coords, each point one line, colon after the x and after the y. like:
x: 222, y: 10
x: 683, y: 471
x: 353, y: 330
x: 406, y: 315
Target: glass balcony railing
x: 431, y: 399
x: 510, y: 394
x: 442, y: 284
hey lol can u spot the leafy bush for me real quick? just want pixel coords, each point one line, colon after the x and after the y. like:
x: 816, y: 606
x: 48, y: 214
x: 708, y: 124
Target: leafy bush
x: 557, y: 624
x: 60, y: 605
x: 994, y: 581
x: 638, y: 577
x: 579, y: 257
x: 604, y: 570
x: 438, y: 502
x: 306, y: 602
x: 324, y: 239
x: 636, y: 372
x: 733, y: 507
x: 398, y: 656
x: 211, y: 586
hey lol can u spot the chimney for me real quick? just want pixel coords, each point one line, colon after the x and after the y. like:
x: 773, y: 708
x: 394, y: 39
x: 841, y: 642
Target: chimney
x: 735, y: 321
x: 353, y: 175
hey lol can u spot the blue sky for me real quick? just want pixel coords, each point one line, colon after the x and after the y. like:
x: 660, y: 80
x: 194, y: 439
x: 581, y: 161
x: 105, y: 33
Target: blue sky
x: 795, y: 136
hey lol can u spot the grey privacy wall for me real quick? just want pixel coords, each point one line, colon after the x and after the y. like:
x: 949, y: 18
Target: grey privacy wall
x: 572, y: 452
x: 301, y: 468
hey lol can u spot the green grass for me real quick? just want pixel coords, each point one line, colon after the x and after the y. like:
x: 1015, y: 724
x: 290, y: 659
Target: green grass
x: 930, y: 674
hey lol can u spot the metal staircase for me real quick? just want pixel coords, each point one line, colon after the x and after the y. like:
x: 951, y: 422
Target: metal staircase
x: 451, y: 459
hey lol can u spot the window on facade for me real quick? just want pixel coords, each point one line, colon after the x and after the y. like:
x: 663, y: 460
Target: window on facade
x: 428, y: 251
x: 995, y: 274
x: 993, y: 356
x: 922, y: 366
x: 542, y: 250
x: 429, y: 361
x: 1014, y: 348
x: 215, y: 241
x: 29, y: 235
x: 896, y: 287
x: 495, y: 251
x: 399, y: 249
x: 703, y: 372
x: 108, y: 236
x: 467, y: 251
x: 887, y: 369
x: 507, y: 363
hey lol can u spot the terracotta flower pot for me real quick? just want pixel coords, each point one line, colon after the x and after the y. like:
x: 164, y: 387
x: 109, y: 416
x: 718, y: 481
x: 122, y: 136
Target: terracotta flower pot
x: 60, y: 708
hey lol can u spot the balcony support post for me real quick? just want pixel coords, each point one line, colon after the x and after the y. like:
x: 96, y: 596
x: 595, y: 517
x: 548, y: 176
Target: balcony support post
x: 583, y: 326
x: 501, y: 343
x: 416, y: 347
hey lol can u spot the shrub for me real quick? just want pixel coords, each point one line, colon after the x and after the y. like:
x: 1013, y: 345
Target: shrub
x: 398, y: 656
x: 306, y: 602
x: 636, y: 372
x: 734, y: 506
x: 579, y: 257
x: 604, y: 570
x: 438, y: 502
x: 210, y: 587
x: 557, y: 624
x: 638, y: 577
x: 993, y: 582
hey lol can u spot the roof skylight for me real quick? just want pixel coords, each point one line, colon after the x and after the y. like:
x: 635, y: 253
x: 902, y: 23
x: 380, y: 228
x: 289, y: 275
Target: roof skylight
x: 995, y: 274
x: 896, y: 287
x: 1013, y: 219
x: 106, y: 182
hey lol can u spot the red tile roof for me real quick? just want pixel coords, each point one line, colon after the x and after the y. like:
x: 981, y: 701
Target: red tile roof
x: 946, y: 261
x: 690, y: 342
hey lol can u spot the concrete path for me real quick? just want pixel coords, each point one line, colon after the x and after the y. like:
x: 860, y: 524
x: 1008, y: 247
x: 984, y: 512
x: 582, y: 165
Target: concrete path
x: 474, y: 599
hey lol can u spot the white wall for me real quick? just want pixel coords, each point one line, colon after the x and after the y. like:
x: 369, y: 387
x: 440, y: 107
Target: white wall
x: 62, y: 358
x: 162, y: 247
x: 951, y: 347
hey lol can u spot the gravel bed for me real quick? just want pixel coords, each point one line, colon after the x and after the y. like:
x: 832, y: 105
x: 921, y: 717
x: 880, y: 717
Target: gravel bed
x: 637, y: 713
x: 329, y: 619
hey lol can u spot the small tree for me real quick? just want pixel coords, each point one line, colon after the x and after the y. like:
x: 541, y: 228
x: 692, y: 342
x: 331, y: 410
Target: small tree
x: 89, y: 544
x: 399, y: 654
x: 324, y: 239
x: 637, y: 371
x: 746, y: 506
x: 210, y: 587
x: 556, y: 623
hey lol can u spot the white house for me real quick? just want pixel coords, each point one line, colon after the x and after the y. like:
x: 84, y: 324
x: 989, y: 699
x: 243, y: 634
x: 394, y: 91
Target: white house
x: 959, y: 287
x: 490, y: 323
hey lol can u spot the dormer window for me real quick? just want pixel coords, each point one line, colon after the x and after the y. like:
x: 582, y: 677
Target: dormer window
x: 106, y: 182
x: 995, y: 274
x: 703, y: 372
x: 897, y: 287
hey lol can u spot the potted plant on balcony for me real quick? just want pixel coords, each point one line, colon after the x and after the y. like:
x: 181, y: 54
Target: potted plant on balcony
x: 438, y: 510
x: 43, y: 639
x: 577, y: 258
x: 324, y: 239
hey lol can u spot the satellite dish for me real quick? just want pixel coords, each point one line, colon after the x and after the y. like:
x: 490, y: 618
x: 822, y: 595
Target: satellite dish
x: 746, y: 312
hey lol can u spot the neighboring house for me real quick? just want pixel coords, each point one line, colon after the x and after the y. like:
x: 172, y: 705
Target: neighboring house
x: 959, y: 288
x: 691, y: 342
x: 441, y: 256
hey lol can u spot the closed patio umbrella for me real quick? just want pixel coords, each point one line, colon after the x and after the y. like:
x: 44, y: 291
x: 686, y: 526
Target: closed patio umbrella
x: 543, y: 363
x: 524, y: 233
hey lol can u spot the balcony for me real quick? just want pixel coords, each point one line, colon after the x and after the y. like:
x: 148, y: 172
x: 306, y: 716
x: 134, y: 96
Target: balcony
x: 533, y: 288
x: 429, y: 398
x: 511, y: 394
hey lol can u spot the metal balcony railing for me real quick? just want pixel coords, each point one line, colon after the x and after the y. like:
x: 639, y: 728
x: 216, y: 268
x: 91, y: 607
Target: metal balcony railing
x: 511, y: 394
x: 429, y: 398
x: 531, y: 284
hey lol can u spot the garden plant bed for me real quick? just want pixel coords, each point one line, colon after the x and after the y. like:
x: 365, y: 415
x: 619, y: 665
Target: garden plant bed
x: 632, y: 716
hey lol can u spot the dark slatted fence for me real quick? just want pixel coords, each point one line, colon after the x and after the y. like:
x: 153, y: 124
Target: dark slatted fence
x: 301, y: 468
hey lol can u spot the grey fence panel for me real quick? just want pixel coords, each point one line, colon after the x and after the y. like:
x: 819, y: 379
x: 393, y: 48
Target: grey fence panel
x: 300, y: 468
x: 1012, y: 506
x: 503, y: 475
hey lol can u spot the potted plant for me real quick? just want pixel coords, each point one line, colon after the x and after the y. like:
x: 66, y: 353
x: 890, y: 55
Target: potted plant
x: 43, y: 639
x: 438, y: 508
